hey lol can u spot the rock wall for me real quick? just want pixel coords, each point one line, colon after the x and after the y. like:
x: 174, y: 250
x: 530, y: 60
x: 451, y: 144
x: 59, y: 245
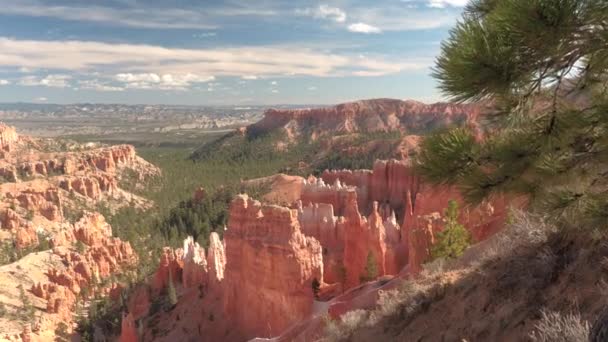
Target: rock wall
x: 347, y: 240
x: 388, y: 183
x: 103, y: 159
x: 8, y: 136
x: 419, y: 207
x: 377, y: 115
x: 46, y: 202
x: 270, y: 268
x: 91, y: 186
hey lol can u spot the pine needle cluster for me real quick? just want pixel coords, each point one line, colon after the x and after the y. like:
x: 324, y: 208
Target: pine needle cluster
x: 542, y: 66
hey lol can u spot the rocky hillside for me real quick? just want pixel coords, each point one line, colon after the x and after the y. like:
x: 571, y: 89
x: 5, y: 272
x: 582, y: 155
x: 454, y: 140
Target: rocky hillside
x: 56, y: 251
x: 351, y: 135
x: 377, y: 115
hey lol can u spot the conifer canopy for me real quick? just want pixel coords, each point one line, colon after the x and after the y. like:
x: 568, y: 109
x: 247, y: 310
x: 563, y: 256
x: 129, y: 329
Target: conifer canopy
x: 542, y: 68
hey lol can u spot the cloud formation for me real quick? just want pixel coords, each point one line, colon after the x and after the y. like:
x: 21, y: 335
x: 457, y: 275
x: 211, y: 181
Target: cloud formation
x: 176, y: 67
x: 324, y: 12
x: 52, y: 81
x: 148, y: 16
x: 363, y: 28
x: 445, y: 3
x: 98, y: 85
x: 165, y: 81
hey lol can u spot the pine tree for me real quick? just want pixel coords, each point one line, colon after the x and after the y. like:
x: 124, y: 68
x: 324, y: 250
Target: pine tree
x: 371, y: 268
x: 454, y: 239
x: 542, y: 65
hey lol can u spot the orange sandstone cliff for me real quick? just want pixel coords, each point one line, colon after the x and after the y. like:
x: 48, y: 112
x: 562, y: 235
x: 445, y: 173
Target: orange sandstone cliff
x: 377, y: 115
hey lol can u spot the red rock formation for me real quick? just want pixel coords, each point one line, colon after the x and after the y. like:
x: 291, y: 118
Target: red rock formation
x: 270, y: 267
x: 45, y: 202
x: 394, y: 184
x: 128, y: 330
x: 8, y: 172
x: 8, y: 136
x: 216, y: 260
x: 317, y: 191
x: 170, y: 266
x: 90, y: 186
x: 347, y: 240
x: 387, y: 183
x: 104, y: 159
x: 10, y: 219
x: 25, y: 236
x: 104, y: 256
x: 194, y: 271
x: 139, y: 302
x: 366, y: 116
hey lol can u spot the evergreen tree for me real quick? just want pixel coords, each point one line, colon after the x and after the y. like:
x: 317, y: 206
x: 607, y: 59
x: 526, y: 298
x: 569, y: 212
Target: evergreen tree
x: 454, y: 239
x: 542, y: 65
x: 371, y: 268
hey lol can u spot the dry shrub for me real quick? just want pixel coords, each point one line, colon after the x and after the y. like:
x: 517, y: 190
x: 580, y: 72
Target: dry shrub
x: 388, y: 304
x: 556, y: 327
x: 434, y: 267
x: 342, y: 329
x: 523, y: 228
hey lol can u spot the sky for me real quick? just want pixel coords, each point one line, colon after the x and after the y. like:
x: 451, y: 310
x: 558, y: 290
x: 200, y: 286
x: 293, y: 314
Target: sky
x: 221, y: 52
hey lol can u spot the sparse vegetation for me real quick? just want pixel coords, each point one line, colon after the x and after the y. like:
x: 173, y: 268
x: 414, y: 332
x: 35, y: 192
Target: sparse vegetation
x: 557, y: 327
x: 61, y: 333
x: 8, y: 252
x: 343, y: 329
x: 371, y: 268
x: 80, y: 247
x: 27, y: 309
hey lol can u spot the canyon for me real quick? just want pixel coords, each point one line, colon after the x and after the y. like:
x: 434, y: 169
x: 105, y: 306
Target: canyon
x: 63, y: 250
x: 279, y: 266
x: 313, y: 247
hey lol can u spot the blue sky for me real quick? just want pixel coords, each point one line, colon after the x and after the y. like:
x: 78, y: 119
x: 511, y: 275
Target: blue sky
x: 220, y: 52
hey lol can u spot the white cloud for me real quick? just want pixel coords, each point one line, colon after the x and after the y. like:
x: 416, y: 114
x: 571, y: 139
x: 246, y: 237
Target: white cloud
x: 273, y: 82
x: 249, y: 77
x: 363, y: 28
x: 164, y: 81
x: 324, y: 12
x: 4, y: 82
x: 444, y: 3
x: 403, y: 18
x: 98, y: 86
x: 144, y: 64
x: 41, y: 99
x: 207, y: 17
x: 52, y: 81
x: 312, y: 88
x: 274, y: 91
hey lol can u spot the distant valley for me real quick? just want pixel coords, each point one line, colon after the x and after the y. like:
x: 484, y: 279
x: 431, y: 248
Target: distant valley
x: 141, y: 125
